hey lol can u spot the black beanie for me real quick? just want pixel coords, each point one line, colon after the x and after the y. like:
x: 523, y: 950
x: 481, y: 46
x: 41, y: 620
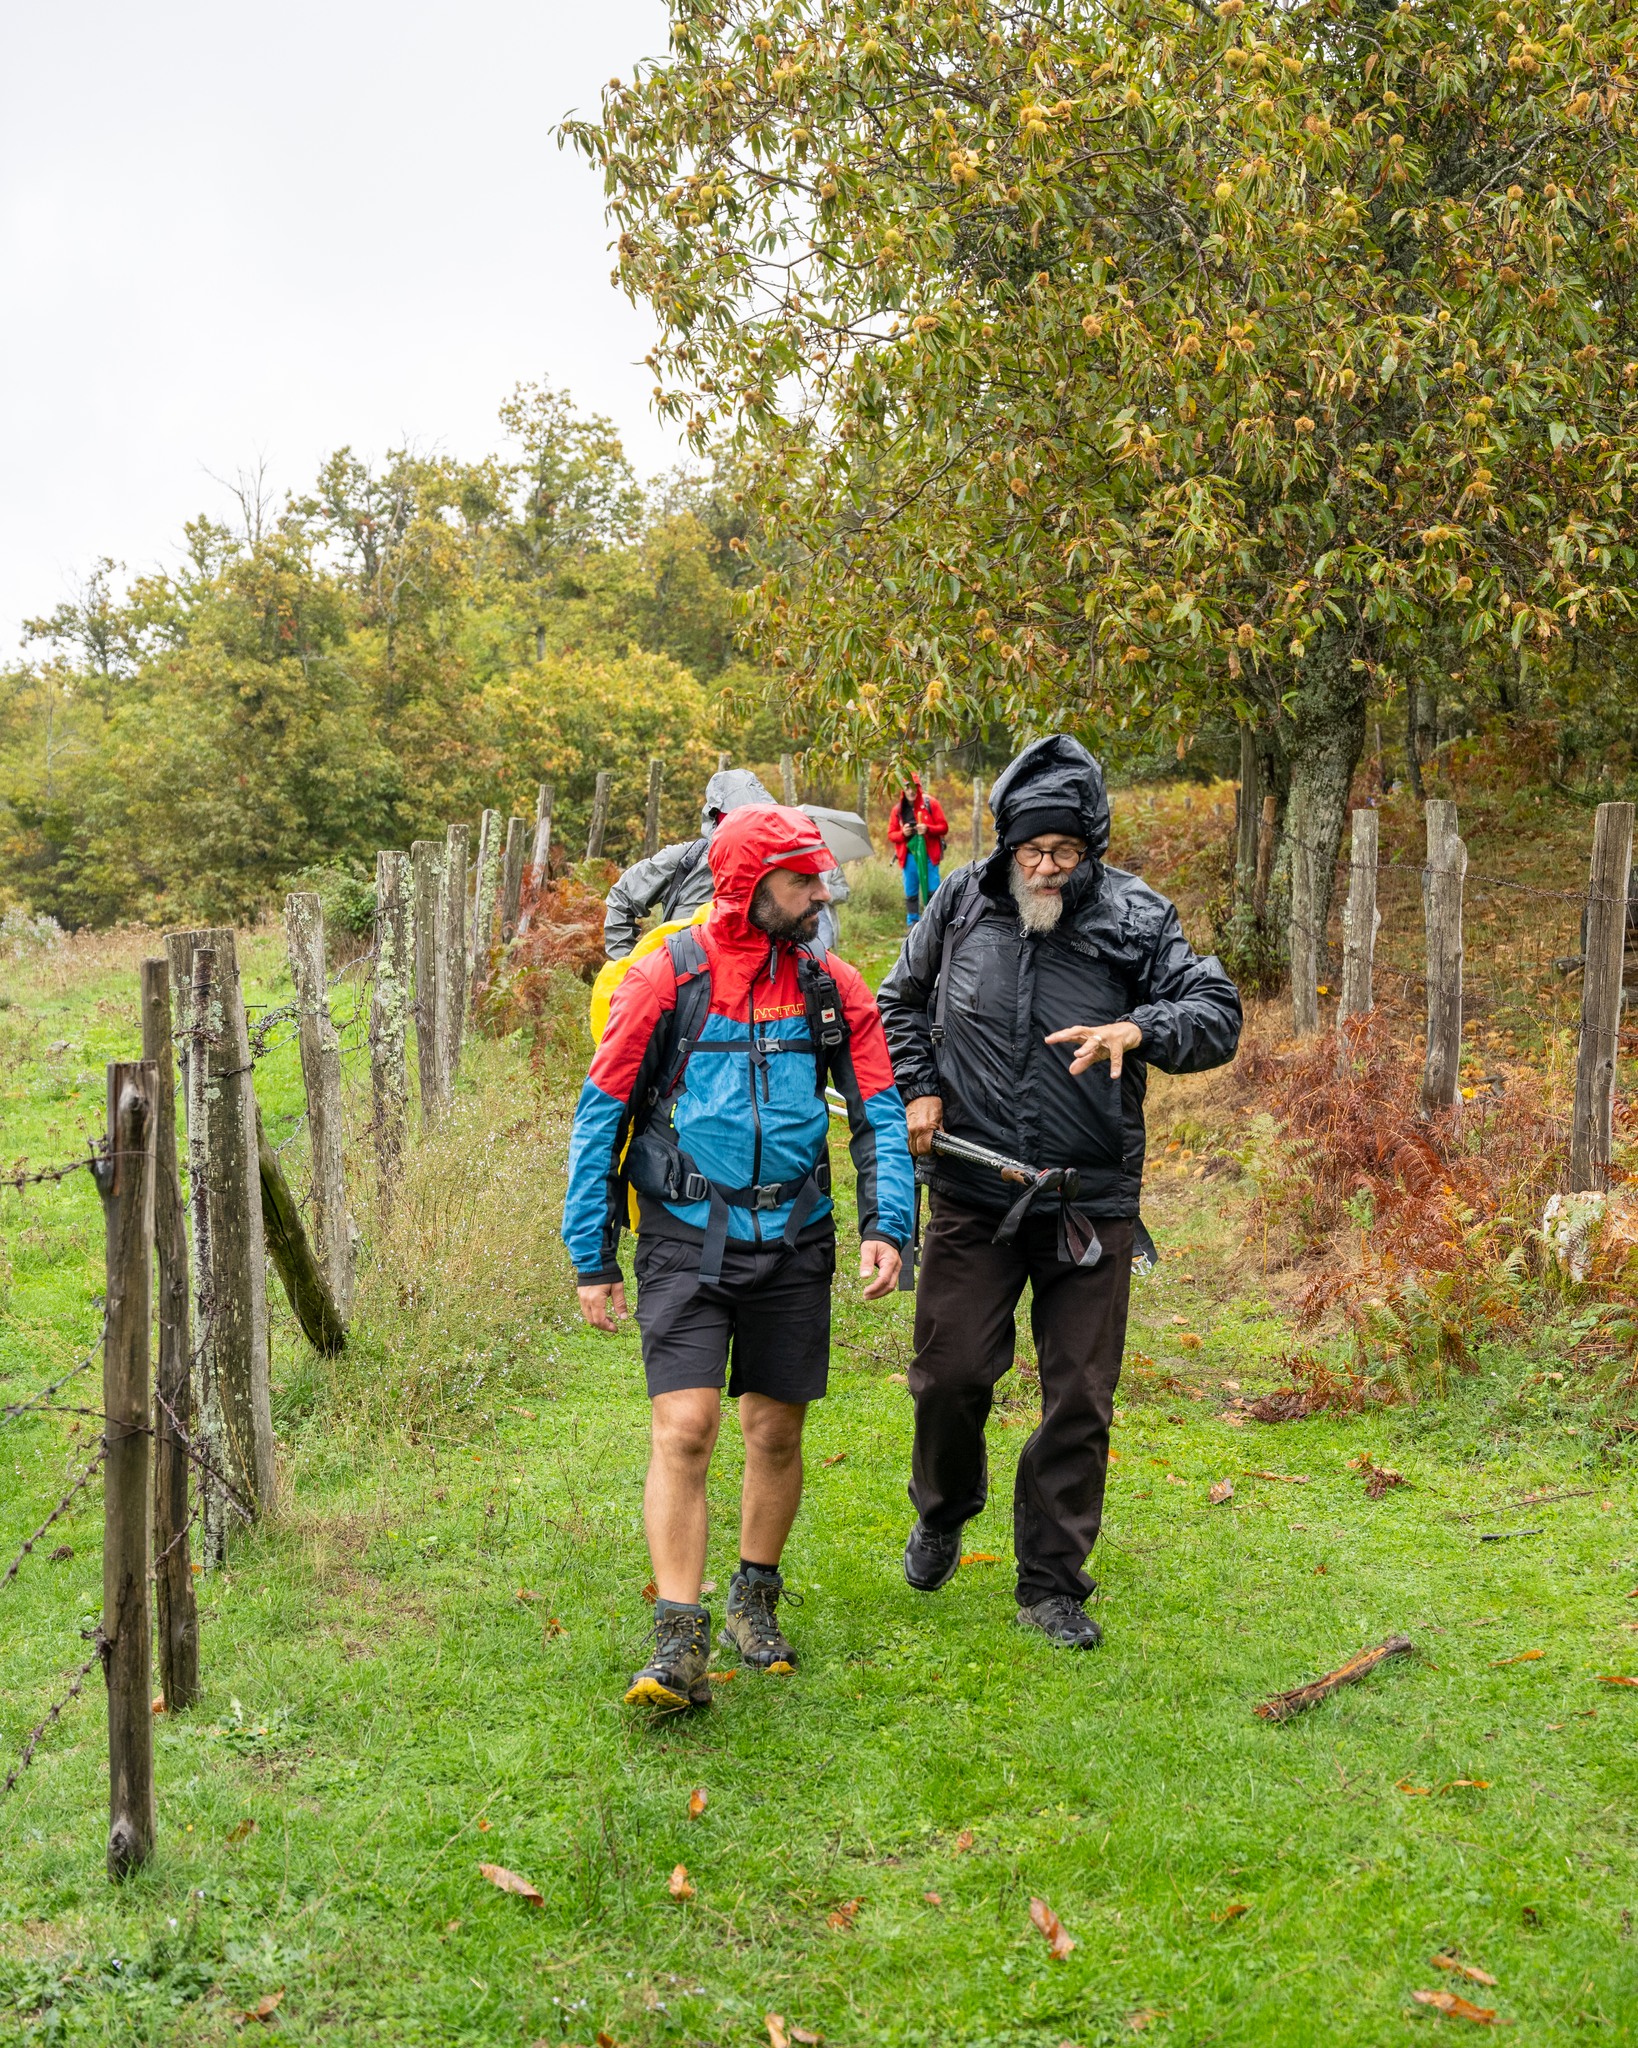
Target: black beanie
x: 1050, y: 818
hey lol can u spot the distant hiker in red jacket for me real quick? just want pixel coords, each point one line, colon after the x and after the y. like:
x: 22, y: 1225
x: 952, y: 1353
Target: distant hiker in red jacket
x: 917, y: 831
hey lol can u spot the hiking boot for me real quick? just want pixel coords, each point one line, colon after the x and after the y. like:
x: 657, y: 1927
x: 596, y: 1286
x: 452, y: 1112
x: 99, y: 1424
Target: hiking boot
x: 1062, y: 1620
x: 750, y: 1622
x: 675, y: 1676
x: 932, y: 1557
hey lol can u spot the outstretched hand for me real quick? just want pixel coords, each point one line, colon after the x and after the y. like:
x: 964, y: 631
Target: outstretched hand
x: 597, y: 1302
x: 1109, y: 1042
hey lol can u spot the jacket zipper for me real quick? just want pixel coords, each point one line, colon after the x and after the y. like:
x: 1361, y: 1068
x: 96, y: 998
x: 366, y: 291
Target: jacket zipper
x: 756, y: 1114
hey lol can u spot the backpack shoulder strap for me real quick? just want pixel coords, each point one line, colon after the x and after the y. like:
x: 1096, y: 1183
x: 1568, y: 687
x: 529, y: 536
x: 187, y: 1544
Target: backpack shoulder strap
x: 680, y: 874
x: 692, y: 966
x: 828, y: 1027
x: 962, y: 919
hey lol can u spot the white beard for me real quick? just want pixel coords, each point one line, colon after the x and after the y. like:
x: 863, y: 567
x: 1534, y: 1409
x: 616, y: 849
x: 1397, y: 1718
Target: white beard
x: 1038, y: 909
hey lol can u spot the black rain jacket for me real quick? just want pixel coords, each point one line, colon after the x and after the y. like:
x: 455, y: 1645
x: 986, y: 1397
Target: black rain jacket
x: 1118, y: 951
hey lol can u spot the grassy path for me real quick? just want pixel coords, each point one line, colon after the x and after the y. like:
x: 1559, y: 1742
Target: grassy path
x: 417, y: 1667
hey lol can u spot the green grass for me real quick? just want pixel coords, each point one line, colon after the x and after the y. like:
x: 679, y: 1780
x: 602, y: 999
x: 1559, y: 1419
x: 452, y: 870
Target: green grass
x: 383, y: 1712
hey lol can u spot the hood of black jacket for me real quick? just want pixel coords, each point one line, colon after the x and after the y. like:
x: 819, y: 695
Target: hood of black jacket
x: 1055, y: 773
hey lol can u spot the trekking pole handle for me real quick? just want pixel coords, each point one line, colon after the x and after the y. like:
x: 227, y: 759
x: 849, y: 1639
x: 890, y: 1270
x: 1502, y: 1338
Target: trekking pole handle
x: 981, y: 1155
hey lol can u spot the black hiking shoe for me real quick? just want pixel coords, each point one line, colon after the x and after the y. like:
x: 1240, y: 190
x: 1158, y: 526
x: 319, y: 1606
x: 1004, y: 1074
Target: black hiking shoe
x: 1062, y: 1620
x: 750, y: 1623
x: 675, y: 1676
x: 932, y: 1557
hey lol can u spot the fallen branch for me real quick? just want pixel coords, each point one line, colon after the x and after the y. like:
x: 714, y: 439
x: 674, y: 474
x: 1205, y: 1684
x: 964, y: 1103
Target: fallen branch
x: 1285, y: 1704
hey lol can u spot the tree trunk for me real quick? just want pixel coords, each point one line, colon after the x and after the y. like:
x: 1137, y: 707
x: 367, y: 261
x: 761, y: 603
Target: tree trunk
x: 1248, y: 815
x: 1413, y: 745
x: 1592, y: 1131
x: 1327, y: 740
x: 1442, y: 900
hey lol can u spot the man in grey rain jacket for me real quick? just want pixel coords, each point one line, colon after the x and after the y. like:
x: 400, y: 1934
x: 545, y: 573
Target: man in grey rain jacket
x: 1023, y: 1014
x: 677, y: 879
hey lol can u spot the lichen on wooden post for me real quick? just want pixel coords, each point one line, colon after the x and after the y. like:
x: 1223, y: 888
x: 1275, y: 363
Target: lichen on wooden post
x: 1360, y: 920
x: 540, y: 857
x: 321, y: 1077
x: 427, y: 863
x: 125, y: 1180
x: 485, y: 896
x: 1442, y: 899
x: 305, y: 1282
x: 229, y: 1264
x: 176, y: 1617
x: 389, y: 1020
x: 1592, y: 1128
x: 457, y: 845
x: 787, y: 779
x: 600, y: 814
x: 511, y: 894
x: 651, y: 810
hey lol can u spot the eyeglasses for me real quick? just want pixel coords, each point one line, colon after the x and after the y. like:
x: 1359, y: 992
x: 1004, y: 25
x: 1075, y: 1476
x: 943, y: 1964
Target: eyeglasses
x: 1068, y: 856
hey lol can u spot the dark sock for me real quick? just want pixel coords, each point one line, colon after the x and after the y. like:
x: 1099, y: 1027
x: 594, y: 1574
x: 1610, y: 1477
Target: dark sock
x: 749, y: 1564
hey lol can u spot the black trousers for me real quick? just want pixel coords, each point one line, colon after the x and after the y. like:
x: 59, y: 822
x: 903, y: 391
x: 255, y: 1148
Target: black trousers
x: 965, y: 1333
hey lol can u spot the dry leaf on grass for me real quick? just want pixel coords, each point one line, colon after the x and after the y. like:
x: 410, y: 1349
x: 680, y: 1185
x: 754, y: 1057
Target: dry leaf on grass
x: 901, y: 1378
x: 551, y: 1626
x: 963, y: 1842
x: 840, y: 1455
x: 723, y: 1677
x: 509, y: 1881
x: 1456, y: 2007
x: 932, y: 1898
x: 525, y: 1593
x: 1523, y: 1657
x: 1615, y: 1678
x: 980, y: 1557
x: 1186, y: 1340
x: 808, y: 2040
x: 1058, y: 1939
x: 240, y: 1831
x: 844, y: 1915
x: 677, y: 1883
x: 1467, y: 1970
x: 1378, y: 1478
x: 1413, y: 1791
x: 777, y: 2037
x: 263, y: 2009
x: 698, y: 1800
x: 158, y: 1703
x: 1222, y: 1491
x: 1137, y: 2021
x: 1232, y: 1911
x: 605, y: 2040
x: 1285, y: 1478
x: 651, y: 1592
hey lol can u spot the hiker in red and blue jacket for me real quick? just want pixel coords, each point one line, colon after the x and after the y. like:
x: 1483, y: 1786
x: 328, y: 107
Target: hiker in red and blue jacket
x: 713, y: 1065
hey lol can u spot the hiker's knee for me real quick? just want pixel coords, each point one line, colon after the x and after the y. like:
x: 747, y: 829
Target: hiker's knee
x: 685, y: 1424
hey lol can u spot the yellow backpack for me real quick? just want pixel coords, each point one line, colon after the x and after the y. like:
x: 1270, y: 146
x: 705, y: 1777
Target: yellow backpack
x: 609, y: 977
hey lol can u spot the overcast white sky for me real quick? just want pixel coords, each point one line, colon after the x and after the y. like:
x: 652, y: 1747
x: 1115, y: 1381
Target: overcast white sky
x: 231, y: 231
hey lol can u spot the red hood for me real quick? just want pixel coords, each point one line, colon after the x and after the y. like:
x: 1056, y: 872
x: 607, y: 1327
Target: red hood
x: 746, y: 846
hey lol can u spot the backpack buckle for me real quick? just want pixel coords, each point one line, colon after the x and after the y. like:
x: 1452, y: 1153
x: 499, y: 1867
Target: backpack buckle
x: 767, y: 1196
x: 695, y: 1187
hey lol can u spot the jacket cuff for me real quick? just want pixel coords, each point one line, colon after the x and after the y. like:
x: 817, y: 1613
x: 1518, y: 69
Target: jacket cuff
x: 1156, y: 1022
x: 876, y: 1235
x: 604, y: 1277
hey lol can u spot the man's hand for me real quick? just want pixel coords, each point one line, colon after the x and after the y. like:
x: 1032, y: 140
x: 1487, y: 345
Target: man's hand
x: 924, y: 1114
x: 596, y: 1302
x: 882, y: 1260
x: 1109, y: 1042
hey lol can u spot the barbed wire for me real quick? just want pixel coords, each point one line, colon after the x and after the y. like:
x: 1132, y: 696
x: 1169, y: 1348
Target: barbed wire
x: 52, y: 1715
x: 51, y: 1173
x: 41, y: 1400
x: 57, y: 1513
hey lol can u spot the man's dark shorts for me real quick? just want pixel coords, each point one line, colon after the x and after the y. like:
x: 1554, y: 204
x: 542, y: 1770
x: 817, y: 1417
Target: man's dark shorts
x: 769, y: 1313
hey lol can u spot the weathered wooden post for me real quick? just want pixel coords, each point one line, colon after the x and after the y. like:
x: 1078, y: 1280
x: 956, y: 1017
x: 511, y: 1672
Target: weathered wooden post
x: 484, y: 899
x: 1442, y: 902
x: 651, y: 813
x: 600, y: 814
x: 1591, y: 1131
x: 540, y: 857
x: 787, y: 779
x: 176, y: 1616
x: 861, y: 799
x: 427, y: 863
x: 511, y: 894
x: 321, y: 1077
x: 125, y: 1180
x: 229, y: 1262
x: 723, y: 759
x: 978, y: 819
x: 1360, y: 920
x: 1266, y: 833
x: 305, y: 1282
x: 389, y: 1019
x: 453, y: 984
x: 1247, y: 815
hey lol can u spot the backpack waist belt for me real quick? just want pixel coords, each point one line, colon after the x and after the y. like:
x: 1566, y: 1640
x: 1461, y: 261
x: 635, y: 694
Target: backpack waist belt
x: 669, y: 1175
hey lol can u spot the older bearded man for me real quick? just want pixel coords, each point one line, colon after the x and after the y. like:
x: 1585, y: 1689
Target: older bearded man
x: 1023, y: 1014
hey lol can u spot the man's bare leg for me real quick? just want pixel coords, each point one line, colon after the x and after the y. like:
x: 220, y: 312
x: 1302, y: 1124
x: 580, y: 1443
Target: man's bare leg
x: 683, y: 1434
x: 772, y: 1491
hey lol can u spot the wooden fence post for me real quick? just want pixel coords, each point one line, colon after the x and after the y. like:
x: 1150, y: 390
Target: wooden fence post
x: 723, y: 759
x: 427, y: 861
x: 540, y: 856
x: 453, y: 973
x: 787, y: 779
x: 1360, y: 920
x: 1604, y: 954
x: 1307, y: 944
x: 1442, y: 901
x: 306, y: 1284
x: 389, y: 1019
x: 176, y: 1616
x: 125, y: 1180
x: 485, y: 897
x: 517, y: 841
x: 651, y: 814
x: 861, y: 801
x: 978, y: 819
x: 1266, y: 834
x: 600, y: 814
x: 1248, y: 814
x: 321, y: 1077
x: 229, y: 1264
